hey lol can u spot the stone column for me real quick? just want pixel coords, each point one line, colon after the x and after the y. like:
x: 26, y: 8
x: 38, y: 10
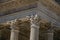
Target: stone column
x: 34, y: 34
x: 14, y: 32
x: 50, y: 35
x: 50, y: 32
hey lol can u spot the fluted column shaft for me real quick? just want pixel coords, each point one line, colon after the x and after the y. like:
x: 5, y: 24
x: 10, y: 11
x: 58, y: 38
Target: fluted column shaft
x: 34, y: 34
x: 14, y: 34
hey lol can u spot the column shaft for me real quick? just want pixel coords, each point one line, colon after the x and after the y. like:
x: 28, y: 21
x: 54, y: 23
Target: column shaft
x: 14, y: 35
x: 34, y: 34
x: 50, y: 36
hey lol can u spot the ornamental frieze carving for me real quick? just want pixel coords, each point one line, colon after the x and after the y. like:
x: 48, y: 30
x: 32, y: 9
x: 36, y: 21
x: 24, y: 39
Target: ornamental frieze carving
x: 15, y: 4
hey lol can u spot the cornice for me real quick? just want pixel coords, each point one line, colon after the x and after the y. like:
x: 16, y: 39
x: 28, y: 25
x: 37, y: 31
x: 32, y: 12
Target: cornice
x: 51, y: 5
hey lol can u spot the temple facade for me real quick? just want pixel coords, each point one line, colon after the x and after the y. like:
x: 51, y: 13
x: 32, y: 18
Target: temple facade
x: 29, y: 19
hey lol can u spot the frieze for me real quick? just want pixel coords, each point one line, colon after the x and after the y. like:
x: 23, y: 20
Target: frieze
x: 15, y: 4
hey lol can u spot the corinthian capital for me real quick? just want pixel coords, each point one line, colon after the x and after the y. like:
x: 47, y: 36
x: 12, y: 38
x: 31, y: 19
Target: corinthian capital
x: 35, y: 19
x: 13, y: 24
